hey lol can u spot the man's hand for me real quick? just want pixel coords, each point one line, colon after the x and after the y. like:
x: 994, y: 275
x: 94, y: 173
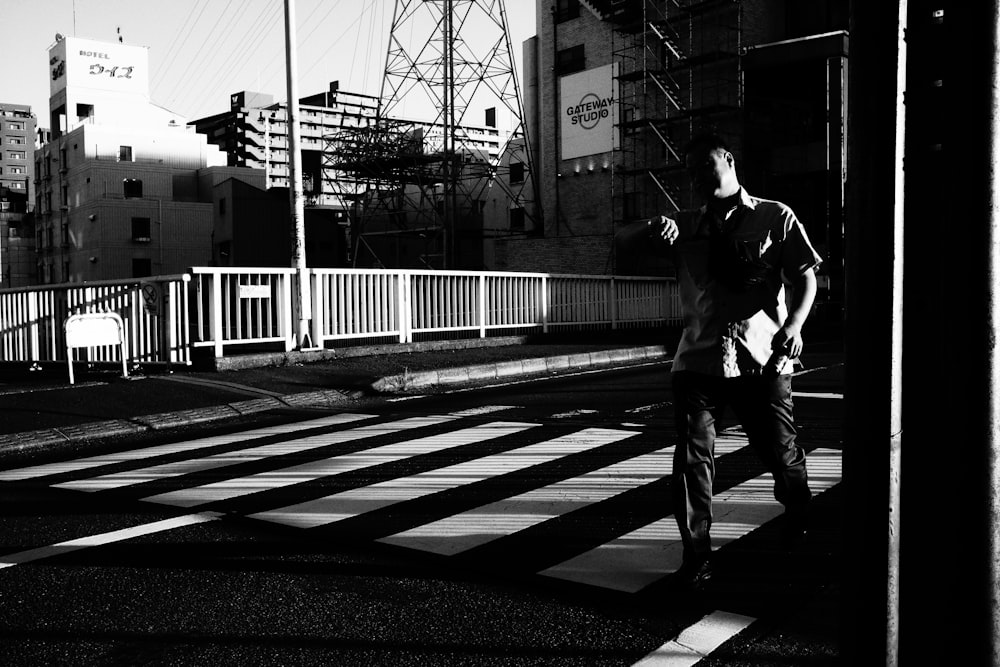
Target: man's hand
x: 789, y: 339
x: 664, y: 228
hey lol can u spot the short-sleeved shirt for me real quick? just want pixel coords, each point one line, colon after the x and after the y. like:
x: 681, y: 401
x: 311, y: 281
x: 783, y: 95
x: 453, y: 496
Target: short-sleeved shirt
x: 728, y: 329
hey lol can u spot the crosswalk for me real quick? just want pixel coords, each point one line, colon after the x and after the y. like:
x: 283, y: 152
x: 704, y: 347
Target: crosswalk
x: 355, y: 467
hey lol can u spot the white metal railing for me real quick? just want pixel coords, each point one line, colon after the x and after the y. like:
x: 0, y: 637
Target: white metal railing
x: 154, y: 311
x: 230, y: 309
x: 242, y: 306
x: 360, y: 303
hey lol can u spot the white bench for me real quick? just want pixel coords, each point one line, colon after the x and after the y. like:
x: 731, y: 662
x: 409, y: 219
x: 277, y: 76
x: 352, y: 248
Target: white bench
x: 94, y: 330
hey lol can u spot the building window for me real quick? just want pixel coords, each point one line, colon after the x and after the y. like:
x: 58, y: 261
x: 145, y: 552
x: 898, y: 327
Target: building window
x: 141, y: 230
x: 16, y: 170
x: 142, y: 267
x: 16, y: 140
x: 517, y: 219
x: 566, y: 10
x: 517, y: 172
x: 15, y: 126
x: 132, y: 188
x: 15, y: 155
x: 570, y: 60
x: 124, y: 153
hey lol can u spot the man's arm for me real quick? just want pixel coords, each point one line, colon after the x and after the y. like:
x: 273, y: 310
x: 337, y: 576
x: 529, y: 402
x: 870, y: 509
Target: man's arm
x: 654, y: 236
x: 789, y: 336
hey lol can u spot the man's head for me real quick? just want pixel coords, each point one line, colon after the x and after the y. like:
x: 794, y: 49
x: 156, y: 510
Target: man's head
x: 712, y: 167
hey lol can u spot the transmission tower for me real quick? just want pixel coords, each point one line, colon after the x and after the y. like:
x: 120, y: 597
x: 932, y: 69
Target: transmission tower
x: 447, y: 59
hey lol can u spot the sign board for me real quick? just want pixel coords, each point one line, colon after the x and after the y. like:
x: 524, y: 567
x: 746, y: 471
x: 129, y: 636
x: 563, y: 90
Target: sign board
x: 255, y: 291
x: 94, y: 330
x: 152, y: 297
x: 110, y: 66
x: 589, y: 112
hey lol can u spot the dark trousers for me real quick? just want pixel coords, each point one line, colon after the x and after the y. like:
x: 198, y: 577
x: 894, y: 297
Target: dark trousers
x: 764, y: 407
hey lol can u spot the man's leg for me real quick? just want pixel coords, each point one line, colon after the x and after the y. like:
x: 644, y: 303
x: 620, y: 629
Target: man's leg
x: 696, y: 405
x: 764, y: 407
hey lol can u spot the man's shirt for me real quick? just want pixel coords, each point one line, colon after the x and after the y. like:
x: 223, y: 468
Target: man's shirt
x: 731, y: 280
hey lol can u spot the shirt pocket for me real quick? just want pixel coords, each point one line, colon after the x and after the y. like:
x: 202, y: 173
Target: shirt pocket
x: 743, y: 263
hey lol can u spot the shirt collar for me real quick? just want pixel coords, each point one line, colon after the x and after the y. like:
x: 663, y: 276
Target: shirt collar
x: 745, y: 200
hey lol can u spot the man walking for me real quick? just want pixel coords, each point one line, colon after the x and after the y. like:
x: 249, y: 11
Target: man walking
x: 734, y: 258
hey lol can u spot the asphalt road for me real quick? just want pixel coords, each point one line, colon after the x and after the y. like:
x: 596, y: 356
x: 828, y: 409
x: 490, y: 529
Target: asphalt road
x: 460, y: 527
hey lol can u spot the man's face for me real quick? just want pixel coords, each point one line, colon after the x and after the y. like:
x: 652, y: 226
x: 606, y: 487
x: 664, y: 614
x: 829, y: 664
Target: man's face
x: 712, y: 173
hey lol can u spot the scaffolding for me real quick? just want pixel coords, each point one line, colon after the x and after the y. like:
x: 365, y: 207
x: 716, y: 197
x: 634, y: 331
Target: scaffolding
x: 392, y: 182
x: 423, y: 183
x: 679, y: 73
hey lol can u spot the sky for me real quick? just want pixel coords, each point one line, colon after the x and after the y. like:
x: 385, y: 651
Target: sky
x: 201, y: 51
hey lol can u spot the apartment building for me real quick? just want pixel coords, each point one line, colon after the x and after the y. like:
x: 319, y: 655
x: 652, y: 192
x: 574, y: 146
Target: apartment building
x: 17, y: 239
x: 123, y: 188
x: 387, y: 214
x: 17, y: 143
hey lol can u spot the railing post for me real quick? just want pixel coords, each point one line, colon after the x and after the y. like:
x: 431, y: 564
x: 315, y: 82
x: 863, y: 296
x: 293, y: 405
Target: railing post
x: 33, y: 331
x: 544, y: 299
x: 287, y: 331
x: 318, y: 309
x: 403, y: 307
x: 215, y: 314
x: 179, y: 323
x: 482, y: 305
x: 613, y: 303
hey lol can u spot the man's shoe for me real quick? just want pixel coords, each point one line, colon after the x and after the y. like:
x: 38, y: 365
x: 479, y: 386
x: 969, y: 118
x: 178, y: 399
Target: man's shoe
x: 694, y: 575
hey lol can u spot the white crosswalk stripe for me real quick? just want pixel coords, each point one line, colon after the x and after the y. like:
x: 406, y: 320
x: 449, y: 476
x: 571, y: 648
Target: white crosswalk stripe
x: 130, y: 477
x: 337, y: 465
x: 88, y: 462
x: 629, y: 562
x: 643, y: 556
x: 351, y: 503
x: 466, y: 530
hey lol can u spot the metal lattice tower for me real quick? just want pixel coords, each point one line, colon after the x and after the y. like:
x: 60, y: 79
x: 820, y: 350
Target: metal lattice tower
x: 446, y: 60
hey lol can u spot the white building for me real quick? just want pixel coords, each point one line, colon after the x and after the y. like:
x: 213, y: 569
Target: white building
x: 123, y: 189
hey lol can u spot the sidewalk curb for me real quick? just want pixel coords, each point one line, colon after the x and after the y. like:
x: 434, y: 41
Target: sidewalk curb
x: 403, y: 382
x: 78, y: 433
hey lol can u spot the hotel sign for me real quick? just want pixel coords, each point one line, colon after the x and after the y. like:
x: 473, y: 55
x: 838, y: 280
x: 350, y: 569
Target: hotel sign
x: 589, y: 112
x: 84, y: 63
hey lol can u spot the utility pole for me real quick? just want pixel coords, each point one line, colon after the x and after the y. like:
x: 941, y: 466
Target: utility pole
x: 302, y: 307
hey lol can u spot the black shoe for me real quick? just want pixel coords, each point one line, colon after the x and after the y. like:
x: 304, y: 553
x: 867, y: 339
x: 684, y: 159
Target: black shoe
x: 695, y: 575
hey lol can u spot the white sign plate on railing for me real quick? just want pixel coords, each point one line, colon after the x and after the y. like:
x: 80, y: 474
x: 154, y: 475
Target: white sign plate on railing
x: 255, y: 291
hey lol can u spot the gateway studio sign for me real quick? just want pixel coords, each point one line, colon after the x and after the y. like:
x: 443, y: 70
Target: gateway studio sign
x: 589, y: 112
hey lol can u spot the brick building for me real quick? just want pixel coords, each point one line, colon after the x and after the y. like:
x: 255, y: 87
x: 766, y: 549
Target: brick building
x: 613, y: 90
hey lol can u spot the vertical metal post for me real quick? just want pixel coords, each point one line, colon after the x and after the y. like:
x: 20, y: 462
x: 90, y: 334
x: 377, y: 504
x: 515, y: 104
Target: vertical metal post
x: 874, y: 333
x: 993, y: 330
x: 302, y: 305
x: 896, y: 353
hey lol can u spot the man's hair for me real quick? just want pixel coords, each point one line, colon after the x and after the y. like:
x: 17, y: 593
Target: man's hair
x: 706, y: 141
